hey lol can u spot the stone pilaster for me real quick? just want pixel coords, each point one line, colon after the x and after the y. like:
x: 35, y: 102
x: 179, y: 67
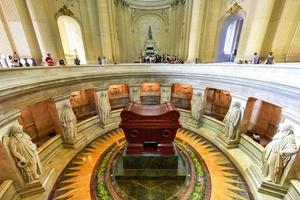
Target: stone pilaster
x: 20, y: 28
x: 195, y: 30
x: 105, y: 29
x: 258, y: 29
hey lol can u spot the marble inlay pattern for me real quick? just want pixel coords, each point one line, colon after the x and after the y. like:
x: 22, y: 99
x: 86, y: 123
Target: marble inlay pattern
x: 225, y: 180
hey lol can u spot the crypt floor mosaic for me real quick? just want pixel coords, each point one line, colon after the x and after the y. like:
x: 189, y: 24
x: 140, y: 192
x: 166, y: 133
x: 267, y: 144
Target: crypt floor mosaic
x: 210, y: 175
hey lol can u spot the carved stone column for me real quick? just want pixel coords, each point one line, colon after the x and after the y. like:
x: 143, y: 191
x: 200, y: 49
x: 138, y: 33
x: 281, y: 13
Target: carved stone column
x: 14, y: 168
x: 166, y: 91
x: 195, y: 30
x: 103, y: 107
x: 135, y: 93
x: 60, y: 103
x: 105, y: 29
x: 259, y: 28
x: 21, y: 29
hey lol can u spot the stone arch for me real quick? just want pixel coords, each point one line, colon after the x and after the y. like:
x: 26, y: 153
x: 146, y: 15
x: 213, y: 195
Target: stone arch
x: 226, y: 22
x: 71, y: 49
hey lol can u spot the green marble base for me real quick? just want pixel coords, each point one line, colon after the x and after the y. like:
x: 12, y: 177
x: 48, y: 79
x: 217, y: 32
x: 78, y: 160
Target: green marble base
x: 150, y: 166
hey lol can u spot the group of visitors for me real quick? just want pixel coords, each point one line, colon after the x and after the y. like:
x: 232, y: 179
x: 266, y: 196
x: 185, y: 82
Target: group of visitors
x: 257, y: 60
x: 49, y: 61
x: 14, y: 60
x: 165, y: 58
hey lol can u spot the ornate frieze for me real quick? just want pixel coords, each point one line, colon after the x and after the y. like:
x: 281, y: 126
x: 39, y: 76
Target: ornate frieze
x: 65, y: 11
x: 233, y: 6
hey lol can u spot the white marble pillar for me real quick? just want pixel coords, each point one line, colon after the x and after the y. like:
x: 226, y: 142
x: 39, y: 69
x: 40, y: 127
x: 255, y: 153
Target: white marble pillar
x: 286, y: 30
x: 20, y: 28
x: 195, y: 30
x: 259, y: 28
x: 43, y: 30
x: 60, y: 102
x: 103, y: 106
x: 95, y: 30
x: 7, y: 43
x: 105, y: 29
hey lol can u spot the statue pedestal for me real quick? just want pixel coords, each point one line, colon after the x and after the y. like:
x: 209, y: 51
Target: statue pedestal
x: 150, y: 166
x: 192, y: 123
x: 75, y: 144
x: 264, y: 186
x: 228, y: 143
x: 35, y: 187
x: 110, y: 123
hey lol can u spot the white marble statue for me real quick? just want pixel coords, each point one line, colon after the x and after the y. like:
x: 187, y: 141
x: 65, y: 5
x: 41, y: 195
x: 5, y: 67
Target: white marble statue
x: 166, y: 94
x: 135, y: 95
x: 196, y: 106
x: 278, y: 153
x: 232, y: 121
x: 104, y: 108
x: 25, y: 154
x: 69, y: 122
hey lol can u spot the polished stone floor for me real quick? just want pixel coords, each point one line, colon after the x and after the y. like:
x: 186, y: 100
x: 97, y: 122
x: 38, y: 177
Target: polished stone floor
x: 211, y: 175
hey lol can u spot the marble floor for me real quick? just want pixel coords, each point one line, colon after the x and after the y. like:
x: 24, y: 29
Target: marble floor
x: 211, y: 175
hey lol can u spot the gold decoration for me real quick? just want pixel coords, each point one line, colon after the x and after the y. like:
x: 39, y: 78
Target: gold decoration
x: 234, y: 9
x: 65, y: 11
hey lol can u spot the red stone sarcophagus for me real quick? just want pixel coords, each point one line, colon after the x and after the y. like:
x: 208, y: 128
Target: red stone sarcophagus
x: 150, y: 129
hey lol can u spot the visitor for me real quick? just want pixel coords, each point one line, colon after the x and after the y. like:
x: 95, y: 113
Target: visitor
x: 16, y: 59
x: 99, y: 61
x: 103, y: 61
x: 61, y: 62
x: 256, y: 137
x: 196, y: 61
x: 270, y: 59
x: 255, y: 59
x: 49, y: 61
x: 76, y: 61
x: 13, y: 63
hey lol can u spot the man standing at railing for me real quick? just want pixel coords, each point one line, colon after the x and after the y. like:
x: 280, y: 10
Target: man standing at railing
x: 49, y: 61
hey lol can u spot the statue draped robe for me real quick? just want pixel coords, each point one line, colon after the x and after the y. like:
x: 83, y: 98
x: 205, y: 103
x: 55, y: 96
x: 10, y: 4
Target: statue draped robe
x: 28, y: 150
x: 69, y: 122
x: 271, y: 156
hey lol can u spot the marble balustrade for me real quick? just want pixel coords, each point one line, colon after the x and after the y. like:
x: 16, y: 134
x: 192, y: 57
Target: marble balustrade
x: 277, y: 84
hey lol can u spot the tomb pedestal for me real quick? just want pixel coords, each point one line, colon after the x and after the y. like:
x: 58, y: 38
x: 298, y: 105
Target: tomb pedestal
x: 150, y: 166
